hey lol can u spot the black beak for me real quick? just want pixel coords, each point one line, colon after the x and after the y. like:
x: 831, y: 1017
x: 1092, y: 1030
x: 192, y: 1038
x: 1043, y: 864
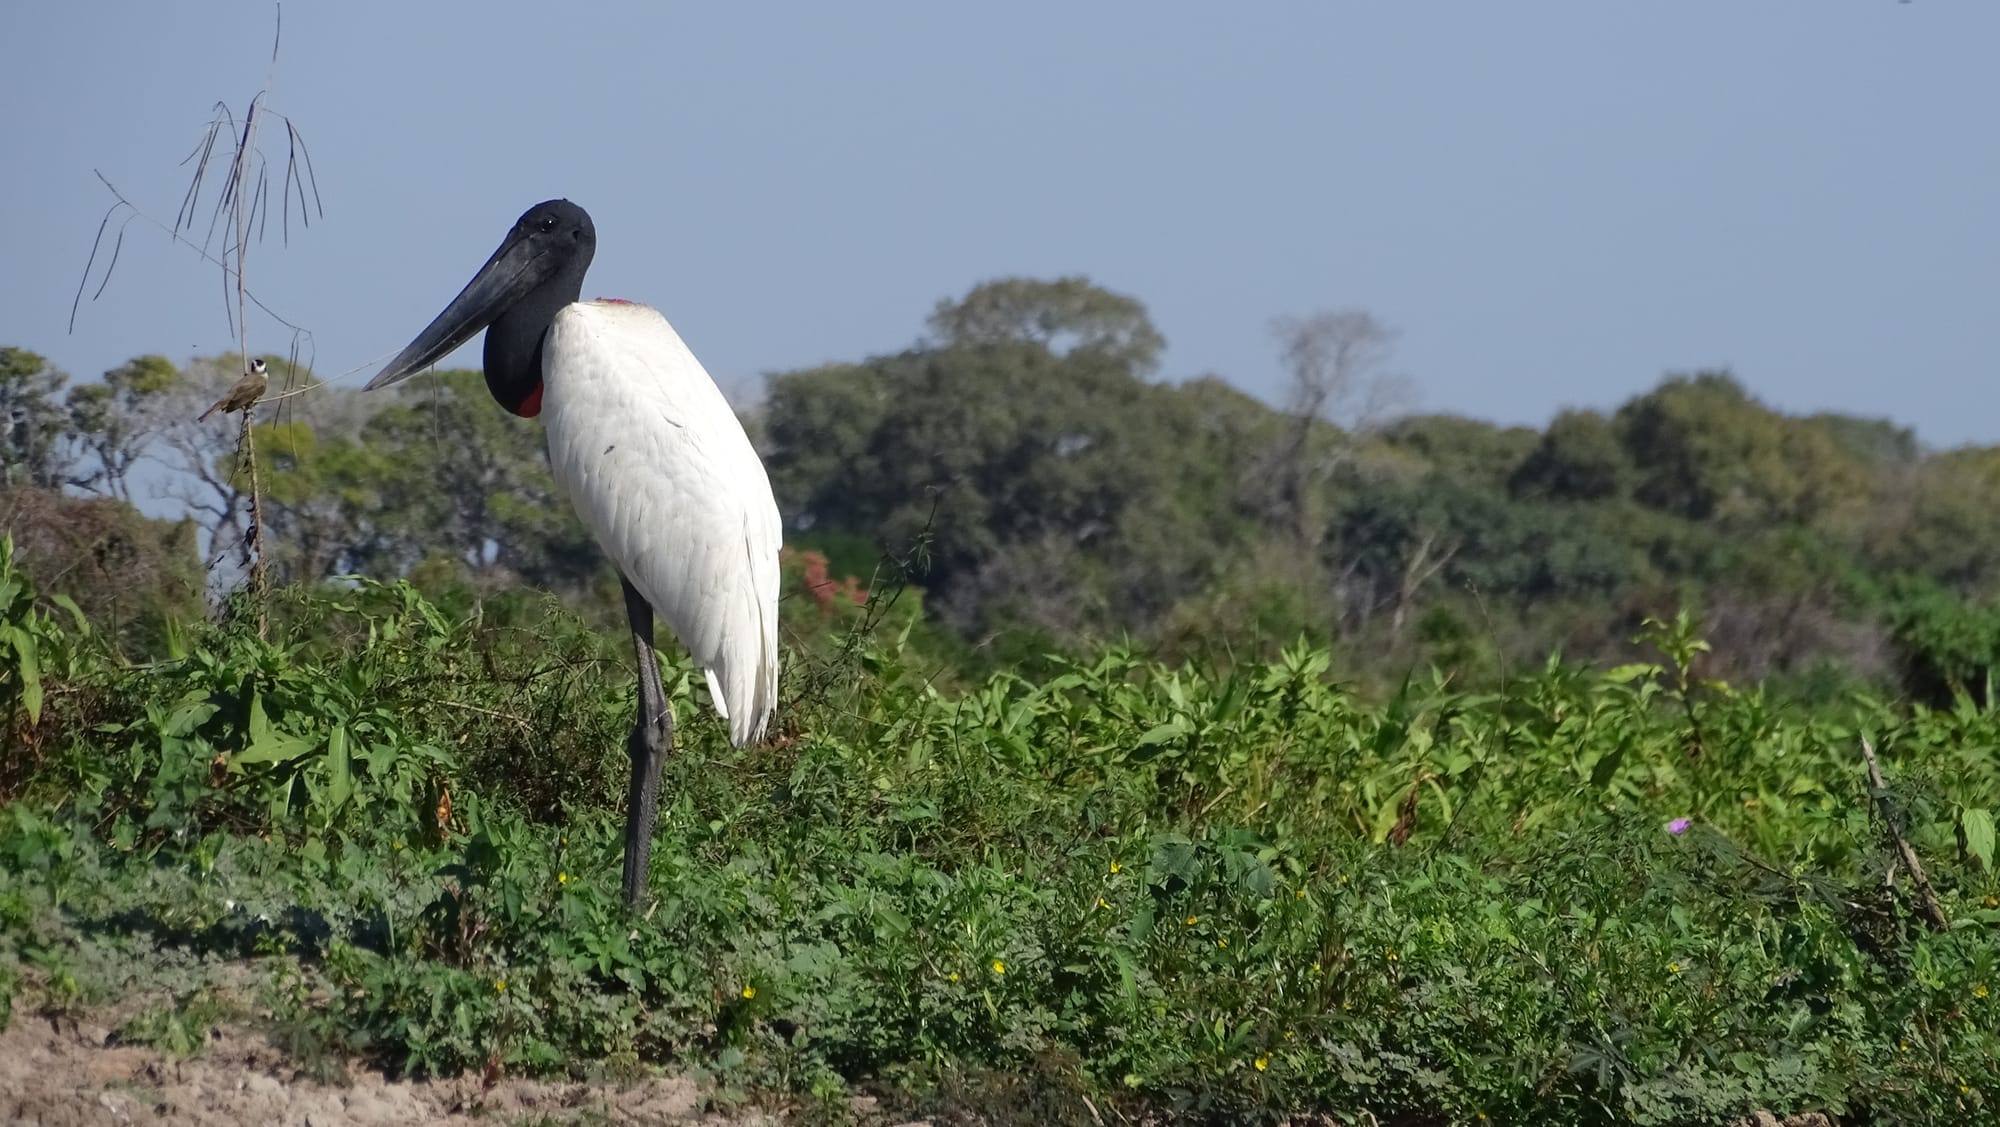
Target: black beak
x: 513, y: 271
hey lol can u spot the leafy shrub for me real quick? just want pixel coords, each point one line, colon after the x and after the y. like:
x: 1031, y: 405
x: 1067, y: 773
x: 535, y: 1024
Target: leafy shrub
x: 1225, y: 895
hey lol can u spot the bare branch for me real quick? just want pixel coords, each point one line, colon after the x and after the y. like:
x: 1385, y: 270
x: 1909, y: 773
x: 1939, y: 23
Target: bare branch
x: 240, y: 209
x: 297, y: 153
x: 1335, y: 360
x: 1927, y: 900
x: 92, y: 260
x: 139, y: 213
x: 185, y: 216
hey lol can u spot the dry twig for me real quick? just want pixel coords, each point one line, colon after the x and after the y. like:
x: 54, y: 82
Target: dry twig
x: 241, y: 205
x: 1927, y: 901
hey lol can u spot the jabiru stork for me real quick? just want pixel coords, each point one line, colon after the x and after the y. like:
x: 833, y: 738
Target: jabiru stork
x: 656, y: 463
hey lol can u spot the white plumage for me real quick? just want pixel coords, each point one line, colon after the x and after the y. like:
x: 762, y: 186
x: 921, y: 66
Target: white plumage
x: 660, y: 470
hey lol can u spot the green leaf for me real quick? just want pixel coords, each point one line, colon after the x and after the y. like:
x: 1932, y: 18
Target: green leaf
x: 1128, y: 977
x: 1977, y: 823
x: 1173, y: 856
x: 192, y: 714
x: 76, y: 612
x: 339, y: 770
x: 1156, y: 741
x: 1607, y: 766
x: 1444, y: 799
x: 26, y: 651
x: 1385, y: 818
x: 266, y: 744
x: 260, y: 724
x: 1619, y: 675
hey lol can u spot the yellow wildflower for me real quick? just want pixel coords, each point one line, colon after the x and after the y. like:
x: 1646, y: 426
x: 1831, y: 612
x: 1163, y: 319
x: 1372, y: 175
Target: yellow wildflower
x: 1222, y: 943
x: 1262, y: 1063
x: 1673, y: 968
x: 1115, y: 866
x: 1391, y: 952
x: 1101, y: 903
x: 952, y: 977
x: 1979, y: 991
x: 499, y: 986
x: 999, y: 967
x: 562, y: 878
x: 749, y: 991
x: 1192, y: 920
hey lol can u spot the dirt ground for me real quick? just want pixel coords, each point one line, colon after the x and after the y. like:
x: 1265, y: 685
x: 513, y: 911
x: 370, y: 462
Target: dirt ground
x: 69, y: 1073
x: 72, y: 1072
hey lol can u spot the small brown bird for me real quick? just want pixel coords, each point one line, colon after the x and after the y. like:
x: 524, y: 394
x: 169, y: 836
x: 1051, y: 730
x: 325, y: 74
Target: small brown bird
x: 247, y: 391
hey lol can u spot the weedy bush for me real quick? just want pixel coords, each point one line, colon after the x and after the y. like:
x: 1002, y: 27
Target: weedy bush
x: 1577, y: 897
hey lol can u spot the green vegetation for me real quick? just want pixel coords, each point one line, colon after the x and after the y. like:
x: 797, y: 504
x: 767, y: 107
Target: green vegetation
x: 1144, y: 748
x: 1222, y: 893
x: 1064, y: 499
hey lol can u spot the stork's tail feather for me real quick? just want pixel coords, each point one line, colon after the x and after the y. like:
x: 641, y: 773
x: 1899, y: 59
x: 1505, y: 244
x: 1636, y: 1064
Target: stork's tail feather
x: 745, y: 690
x: 716, y: 694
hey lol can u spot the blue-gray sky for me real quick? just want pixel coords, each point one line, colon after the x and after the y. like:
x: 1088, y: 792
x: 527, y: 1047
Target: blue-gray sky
x: 1555, y: 202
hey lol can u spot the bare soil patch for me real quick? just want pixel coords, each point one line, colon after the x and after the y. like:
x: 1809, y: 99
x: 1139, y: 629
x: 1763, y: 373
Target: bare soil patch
x: 69, y: 1072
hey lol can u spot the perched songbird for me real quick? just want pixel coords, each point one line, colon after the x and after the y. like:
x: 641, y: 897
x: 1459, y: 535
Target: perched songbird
x: 656, y: 463
x: 247, y: 392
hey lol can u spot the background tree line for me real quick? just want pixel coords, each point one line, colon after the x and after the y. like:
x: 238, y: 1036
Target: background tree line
x: 1051, y: 491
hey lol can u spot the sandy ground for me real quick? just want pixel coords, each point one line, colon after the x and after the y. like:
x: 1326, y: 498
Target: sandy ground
x: 63, y: 1072
x: 70, y: 1071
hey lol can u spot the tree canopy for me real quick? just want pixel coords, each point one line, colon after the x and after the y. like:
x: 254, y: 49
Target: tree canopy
x: 1026, y: 469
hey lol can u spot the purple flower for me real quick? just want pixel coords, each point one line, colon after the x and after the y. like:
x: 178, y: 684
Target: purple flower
x: 1679, y: 825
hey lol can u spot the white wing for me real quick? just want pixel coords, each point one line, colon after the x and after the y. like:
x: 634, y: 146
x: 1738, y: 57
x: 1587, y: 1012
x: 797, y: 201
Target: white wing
x: 660, y: 470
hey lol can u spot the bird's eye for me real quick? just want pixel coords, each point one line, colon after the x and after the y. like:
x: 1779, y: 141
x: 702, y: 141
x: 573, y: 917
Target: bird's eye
x: 548, y: 223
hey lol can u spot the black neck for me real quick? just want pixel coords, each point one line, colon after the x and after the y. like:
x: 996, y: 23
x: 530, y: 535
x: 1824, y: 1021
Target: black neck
x: 513, y: 357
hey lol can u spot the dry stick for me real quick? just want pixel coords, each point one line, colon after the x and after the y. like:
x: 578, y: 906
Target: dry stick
x: 240, y: 206
x: 1927, y: 900
x: 136, y: 212
x: 247, y: 444
x: 245, y: 149
x: 238, y: 201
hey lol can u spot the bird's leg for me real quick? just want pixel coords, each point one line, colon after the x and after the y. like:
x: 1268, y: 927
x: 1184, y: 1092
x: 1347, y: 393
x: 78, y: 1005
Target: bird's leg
x: 652, y: 738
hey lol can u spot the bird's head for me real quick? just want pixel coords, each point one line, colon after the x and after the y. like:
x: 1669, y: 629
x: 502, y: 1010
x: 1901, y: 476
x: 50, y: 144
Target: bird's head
x: 537, y: 270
